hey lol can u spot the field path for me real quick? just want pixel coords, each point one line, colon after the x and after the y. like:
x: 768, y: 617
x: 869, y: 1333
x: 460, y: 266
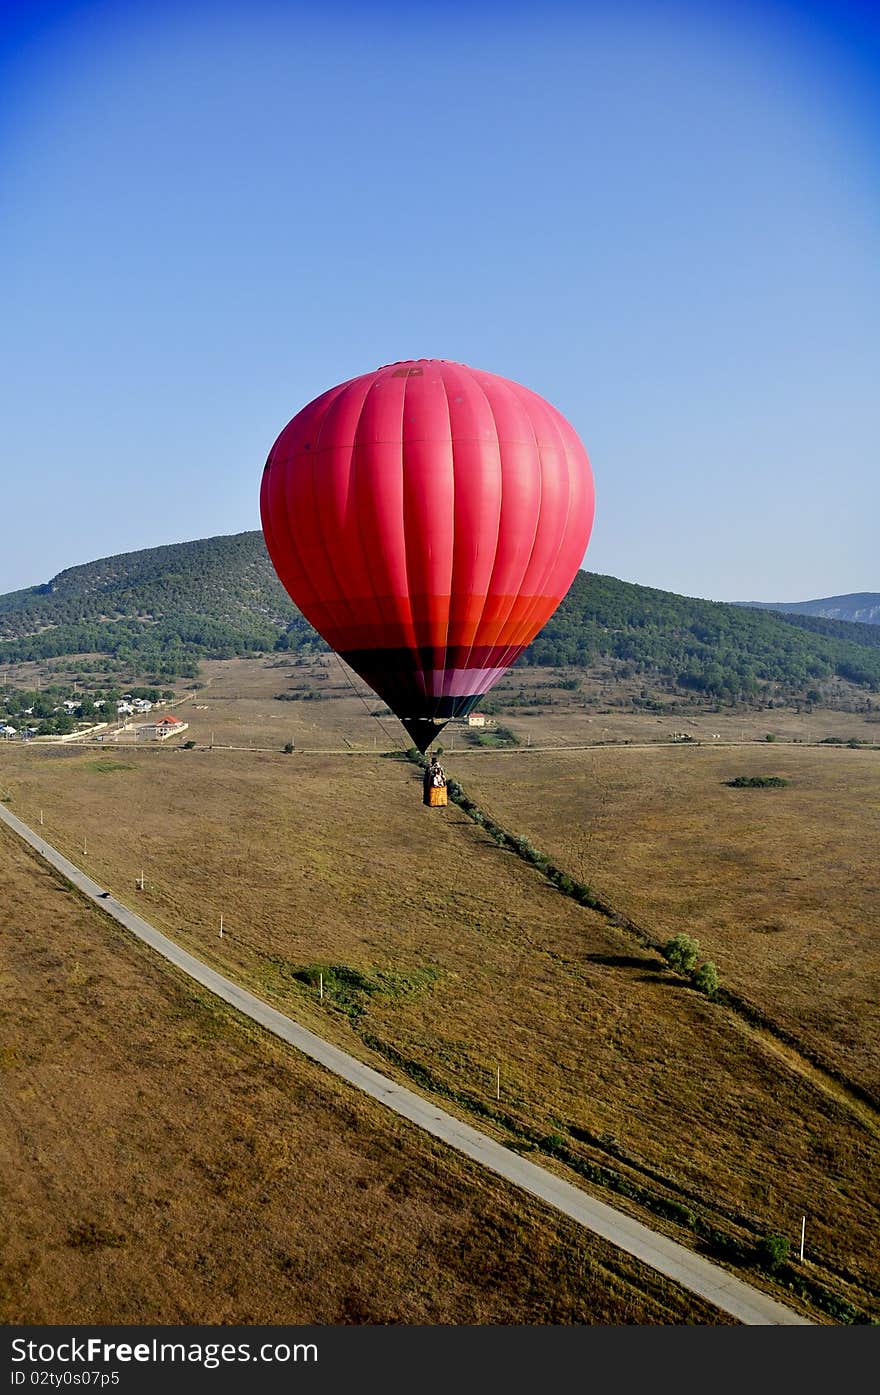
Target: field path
x: 739, y: 1300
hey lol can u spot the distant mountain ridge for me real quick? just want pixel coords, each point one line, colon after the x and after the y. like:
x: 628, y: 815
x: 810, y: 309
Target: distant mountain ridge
x: 860, y: 607
x: 160, y: 611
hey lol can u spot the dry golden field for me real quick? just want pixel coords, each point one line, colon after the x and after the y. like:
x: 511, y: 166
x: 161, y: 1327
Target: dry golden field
x: 163, y: 1161
x: 781, y: 886
x: 238, y: 706
x: 446, y: 957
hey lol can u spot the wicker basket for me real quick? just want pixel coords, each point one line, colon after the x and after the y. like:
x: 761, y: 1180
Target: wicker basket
x: 437, y: 797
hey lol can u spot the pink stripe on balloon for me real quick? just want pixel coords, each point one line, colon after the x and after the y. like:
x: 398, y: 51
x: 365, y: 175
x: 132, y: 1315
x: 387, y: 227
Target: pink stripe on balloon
x: 461, y: 682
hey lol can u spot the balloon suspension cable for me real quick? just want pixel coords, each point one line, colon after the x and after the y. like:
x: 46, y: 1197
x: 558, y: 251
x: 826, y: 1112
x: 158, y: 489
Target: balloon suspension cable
x: 395, y: 741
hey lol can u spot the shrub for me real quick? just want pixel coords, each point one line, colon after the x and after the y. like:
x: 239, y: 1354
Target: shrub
x: 756, y: 782
x: 771, y: 1251
x: 187, y: 745
x: 288, y: 748
x: 681, y: 952
x: 706, y: 979
x: 527, y: 850
x: 88, y: 1235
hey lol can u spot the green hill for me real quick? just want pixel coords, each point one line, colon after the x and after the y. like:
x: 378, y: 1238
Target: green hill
x: 864, y: 632
x: 161, y: 610
x: 723, y: 650
x: 229, y: 579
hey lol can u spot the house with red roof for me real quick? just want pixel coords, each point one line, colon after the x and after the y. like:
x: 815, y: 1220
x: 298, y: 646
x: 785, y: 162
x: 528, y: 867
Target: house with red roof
x: 162, y: 729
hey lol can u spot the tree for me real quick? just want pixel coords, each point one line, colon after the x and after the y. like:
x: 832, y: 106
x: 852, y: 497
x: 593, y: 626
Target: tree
x: 681, y: 952
x: 706, y: 979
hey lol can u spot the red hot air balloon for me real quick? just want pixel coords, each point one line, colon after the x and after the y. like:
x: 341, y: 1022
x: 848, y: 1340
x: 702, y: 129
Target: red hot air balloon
x: 427, y: 519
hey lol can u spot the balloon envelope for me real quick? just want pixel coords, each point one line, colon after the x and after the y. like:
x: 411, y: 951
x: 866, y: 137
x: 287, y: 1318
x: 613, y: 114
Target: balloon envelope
x: 427, y: 519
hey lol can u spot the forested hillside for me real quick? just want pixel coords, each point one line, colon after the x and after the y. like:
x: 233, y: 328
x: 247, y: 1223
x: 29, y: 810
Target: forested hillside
x: 855, y: 632
x: 163, y: 609
x: 722, y: 650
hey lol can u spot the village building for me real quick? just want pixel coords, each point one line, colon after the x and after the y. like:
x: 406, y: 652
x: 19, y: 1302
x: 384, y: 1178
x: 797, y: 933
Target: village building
x: 162, y: 729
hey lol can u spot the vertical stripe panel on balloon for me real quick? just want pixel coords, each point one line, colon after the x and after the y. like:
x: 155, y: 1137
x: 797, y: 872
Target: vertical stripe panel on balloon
x: 284, y: 541
x: 520, y: 504
x: 540, y: 591
x: 478, y: 519
x: 291, y: 454
x: 338, y: 529
x: 378, y: 485
x: 567, y: 524
x: 428, y: 511
x: 303, y: 494
x: 477, y: 467
x: 583, y: 505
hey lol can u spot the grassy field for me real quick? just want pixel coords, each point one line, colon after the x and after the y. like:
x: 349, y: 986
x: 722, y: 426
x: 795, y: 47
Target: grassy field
x: 162, y: 1161
x: 446, y: 958
x: 242, y: 705
x: 781, y: 886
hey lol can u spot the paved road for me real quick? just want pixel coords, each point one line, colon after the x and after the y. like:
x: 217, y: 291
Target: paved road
x: 691, y: 1271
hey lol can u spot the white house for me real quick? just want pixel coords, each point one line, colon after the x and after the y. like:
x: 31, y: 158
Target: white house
x: 476, y: 719
x: 8, y: 731
x: 141, y: 705
x: 124, y: 707
x: 161, y: 730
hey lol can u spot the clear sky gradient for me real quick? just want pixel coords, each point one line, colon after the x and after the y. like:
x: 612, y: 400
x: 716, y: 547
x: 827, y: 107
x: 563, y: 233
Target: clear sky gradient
x: 665, y: 218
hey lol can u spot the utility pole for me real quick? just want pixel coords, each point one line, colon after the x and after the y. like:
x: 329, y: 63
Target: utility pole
x: 497, y: 1082
x: 221, y: 927
x: 803, y: 1232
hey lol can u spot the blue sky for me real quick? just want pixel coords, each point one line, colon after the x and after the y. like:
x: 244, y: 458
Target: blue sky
x: 663, y: 217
